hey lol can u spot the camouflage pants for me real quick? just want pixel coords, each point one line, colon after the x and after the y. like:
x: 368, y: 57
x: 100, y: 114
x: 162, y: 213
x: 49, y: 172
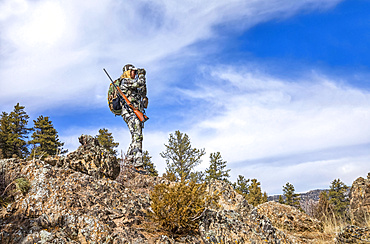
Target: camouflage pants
x: 134, y: 152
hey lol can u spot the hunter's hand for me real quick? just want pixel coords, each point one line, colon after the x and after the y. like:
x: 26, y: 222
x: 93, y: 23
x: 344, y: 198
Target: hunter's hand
x: 141, y: 72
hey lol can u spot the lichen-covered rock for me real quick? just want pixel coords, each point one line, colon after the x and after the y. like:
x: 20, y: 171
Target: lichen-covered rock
x: 228, y: 226
x: 288, y: 218
x: 297, y: 226
x: 67, y: 204
x: 353, y: 234
x: 63, y: 206
x: 11, y: 168
x: 93, y: 159
x: 236, y: 221
x: 360, y: 201
x: 229, y: 199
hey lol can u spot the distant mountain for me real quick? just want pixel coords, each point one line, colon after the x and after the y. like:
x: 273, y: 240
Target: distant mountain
x: 310, y: 195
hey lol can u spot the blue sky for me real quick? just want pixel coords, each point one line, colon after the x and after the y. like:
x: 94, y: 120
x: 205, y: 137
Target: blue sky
x: 279, y: 87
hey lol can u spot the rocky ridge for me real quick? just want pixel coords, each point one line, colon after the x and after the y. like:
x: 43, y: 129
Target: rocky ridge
x: 82, y: 199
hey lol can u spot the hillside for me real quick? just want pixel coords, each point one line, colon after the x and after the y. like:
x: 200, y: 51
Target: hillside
x: 86, y: 197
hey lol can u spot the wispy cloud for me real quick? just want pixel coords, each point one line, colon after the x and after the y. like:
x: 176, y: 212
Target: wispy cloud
x: 257, y: 121
x: 52, y: 54
x: 62, y: 46
x: 305, y: 175
x: 269, y: 116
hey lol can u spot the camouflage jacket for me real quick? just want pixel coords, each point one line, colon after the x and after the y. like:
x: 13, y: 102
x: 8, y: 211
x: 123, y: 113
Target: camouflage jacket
x: 135, y: 90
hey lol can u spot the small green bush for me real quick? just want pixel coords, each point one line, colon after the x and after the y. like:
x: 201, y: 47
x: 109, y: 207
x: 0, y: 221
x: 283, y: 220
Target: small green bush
x: 23, y: 185
x: 177, y: 208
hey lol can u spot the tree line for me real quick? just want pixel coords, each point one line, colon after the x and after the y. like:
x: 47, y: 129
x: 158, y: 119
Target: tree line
x: 18, y: 140
x: 15, y: 133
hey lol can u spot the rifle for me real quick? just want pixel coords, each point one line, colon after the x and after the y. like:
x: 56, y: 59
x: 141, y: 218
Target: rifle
x: 142, y: 117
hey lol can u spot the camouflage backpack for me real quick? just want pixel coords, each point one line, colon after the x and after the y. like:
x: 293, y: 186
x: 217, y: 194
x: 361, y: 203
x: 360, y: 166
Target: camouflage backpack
x: 113, y: 99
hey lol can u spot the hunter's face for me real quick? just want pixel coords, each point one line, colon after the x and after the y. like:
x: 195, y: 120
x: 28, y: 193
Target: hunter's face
x: 132, y: 74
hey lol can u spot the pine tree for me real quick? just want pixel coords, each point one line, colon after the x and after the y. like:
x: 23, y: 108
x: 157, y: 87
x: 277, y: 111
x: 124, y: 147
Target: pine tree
x: 337, y: 197
x: 281, y: 200
x: 45, y: 139
x: 180, y: 157
x: 5, y: 135
x: 216, y: 169
x: 255, y: 196
x: 18, y: 119
x: 291, y: 198
x: 252, y: 192
x: 106, y: 139
x: 148, y: 165
x: 264, y: 197
x: 241, y: 185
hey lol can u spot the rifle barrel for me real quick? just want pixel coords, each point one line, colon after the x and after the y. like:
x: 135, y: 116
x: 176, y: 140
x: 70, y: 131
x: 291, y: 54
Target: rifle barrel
x: 108, y: 75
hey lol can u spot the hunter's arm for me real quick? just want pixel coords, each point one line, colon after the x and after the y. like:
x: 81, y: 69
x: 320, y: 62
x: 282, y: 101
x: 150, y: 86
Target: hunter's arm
x: 139, y: 82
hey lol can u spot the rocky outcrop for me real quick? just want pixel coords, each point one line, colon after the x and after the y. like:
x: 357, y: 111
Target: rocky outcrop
x: 90, y: 158
x: 80, y: 199
x: 289, y: 218
x: 359, y: 212
x: 296, y: 225
x: 353, y: 234
x: 360, y: 201
x: 65, y: 206
x: 236, y: 221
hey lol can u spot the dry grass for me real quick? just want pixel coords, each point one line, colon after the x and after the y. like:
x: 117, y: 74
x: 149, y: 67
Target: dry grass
x: 367, y: 220
x: 332, y: 226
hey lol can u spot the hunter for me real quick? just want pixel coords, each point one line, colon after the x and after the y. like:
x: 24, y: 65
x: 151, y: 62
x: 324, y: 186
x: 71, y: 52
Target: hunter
x: 133, y: 85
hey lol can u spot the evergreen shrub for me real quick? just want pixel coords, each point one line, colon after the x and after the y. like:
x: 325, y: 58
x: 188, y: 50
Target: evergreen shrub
x: 177, y: 207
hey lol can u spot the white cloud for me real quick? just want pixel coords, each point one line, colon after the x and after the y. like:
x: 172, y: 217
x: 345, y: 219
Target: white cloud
x: 307, y: 132
x: 257, y: 116
x: 307, y: 175
x: 52, y: 54
x: 62, y: 46
x: 12, y: 7
x: 259, y: 122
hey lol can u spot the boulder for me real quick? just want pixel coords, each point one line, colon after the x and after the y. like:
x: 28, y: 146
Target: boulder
x: 353, y: 234
x: 93, y: 159
x: 360, y: 201
x: 297, y: 226
x: 289, y: 218
x: 236, y: 221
